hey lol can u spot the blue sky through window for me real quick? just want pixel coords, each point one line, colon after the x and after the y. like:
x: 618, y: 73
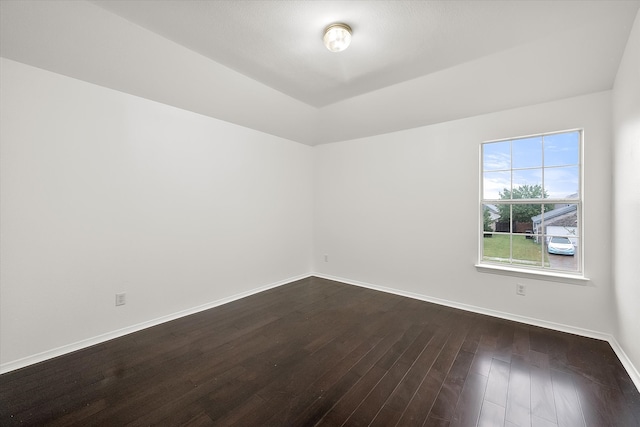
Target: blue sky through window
x: 549, y: 160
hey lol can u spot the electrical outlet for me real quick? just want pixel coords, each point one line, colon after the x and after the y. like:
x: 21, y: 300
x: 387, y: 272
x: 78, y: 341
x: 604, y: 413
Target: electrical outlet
x: 326, y: 258
x: 121, y: 299
x: 521, y: 289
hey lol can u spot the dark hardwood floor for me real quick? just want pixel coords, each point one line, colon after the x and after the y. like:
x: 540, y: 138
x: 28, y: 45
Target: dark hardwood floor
x: 317, y: 352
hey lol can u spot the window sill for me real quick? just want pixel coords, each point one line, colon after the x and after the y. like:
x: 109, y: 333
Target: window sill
x: 553, y: 276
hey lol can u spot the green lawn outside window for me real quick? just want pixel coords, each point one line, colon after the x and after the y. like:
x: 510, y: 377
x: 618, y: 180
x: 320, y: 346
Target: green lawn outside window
x: 525, y: 251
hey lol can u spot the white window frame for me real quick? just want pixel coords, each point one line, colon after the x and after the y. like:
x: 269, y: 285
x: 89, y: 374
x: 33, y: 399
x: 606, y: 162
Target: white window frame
x: 524, y: 270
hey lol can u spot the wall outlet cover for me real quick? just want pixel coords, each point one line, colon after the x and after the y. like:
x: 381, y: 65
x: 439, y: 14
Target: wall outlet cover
x: 121, y: 299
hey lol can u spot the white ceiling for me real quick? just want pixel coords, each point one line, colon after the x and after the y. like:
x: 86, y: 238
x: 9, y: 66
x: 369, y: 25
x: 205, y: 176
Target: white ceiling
x: 261, y: 64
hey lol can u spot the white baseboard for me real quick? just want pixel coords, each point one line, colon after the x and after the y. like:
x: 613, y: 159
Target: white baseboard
x: 626, y: 362
x: 79, y: 345
x: 49, y: 354
x: 624, y: 359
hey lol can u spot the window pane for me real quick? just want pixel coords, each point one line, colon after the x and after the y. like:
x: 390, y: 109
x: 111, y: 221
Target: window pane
x: 562, y: 220
x: 502, y: 224
x: 562, y: 149
x: 562, y: 183
x: 527, y: 153
x: 496, y: 248
x: 527, y: 184
x: 562, y: 252
x: 495, y: 183
x: 490, y: 215
x: 527, y: 251
x: 496, y: 156
x: 525, y: 217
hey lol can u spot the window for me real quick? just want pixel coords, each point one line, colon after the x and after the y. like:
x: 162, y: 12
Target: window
x: 531, y: 202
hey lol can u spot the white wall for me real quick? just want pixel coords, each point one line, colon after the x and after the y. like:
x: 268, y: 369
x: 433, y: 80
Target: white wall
x: 103, y: 192
x: 401, y: 211
x: 626, y: 206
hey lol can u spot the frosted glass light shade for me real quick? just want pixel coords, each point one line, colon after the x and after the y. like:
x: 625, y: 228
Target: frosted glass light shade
x: 337, y: 37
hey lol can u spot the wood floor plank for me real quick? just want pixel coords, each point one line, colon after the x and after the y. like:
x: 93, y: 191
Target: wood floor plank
x: 541, y: 422
x: 319, y: 352
x: 627, y: 388
x: 542, y: 399
x: 433, y: 421
x: 498, y: 383
x: 602, y: 405
x: 491, y: 415
x: 518, y: 410
x: 293, y: 384
x: 356, y: 396
x: 335, y: 383
x: 469, y: 404
x: 504, y: 343
x: 447, y: 400
x: 419, y: 407
x: 397, y: 402
x: 343, y: 409
x: 568, y: 407
x: 472, y: 340
x: 521, y: 345
x: 484, y: 355
x: 379, y: 395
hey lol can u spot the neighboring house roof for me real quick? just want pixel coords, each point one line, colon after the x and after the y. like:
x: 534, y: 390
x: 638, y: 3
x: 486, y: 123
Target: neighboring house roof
x: 494, y: 213
x: 554, y: 213
x: 492, y: 208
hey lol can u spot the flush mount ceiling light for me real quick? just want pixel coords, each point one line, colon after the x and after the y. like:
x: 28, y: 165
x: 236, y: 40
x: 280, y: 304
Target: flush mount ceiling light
x: 337, y: 37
